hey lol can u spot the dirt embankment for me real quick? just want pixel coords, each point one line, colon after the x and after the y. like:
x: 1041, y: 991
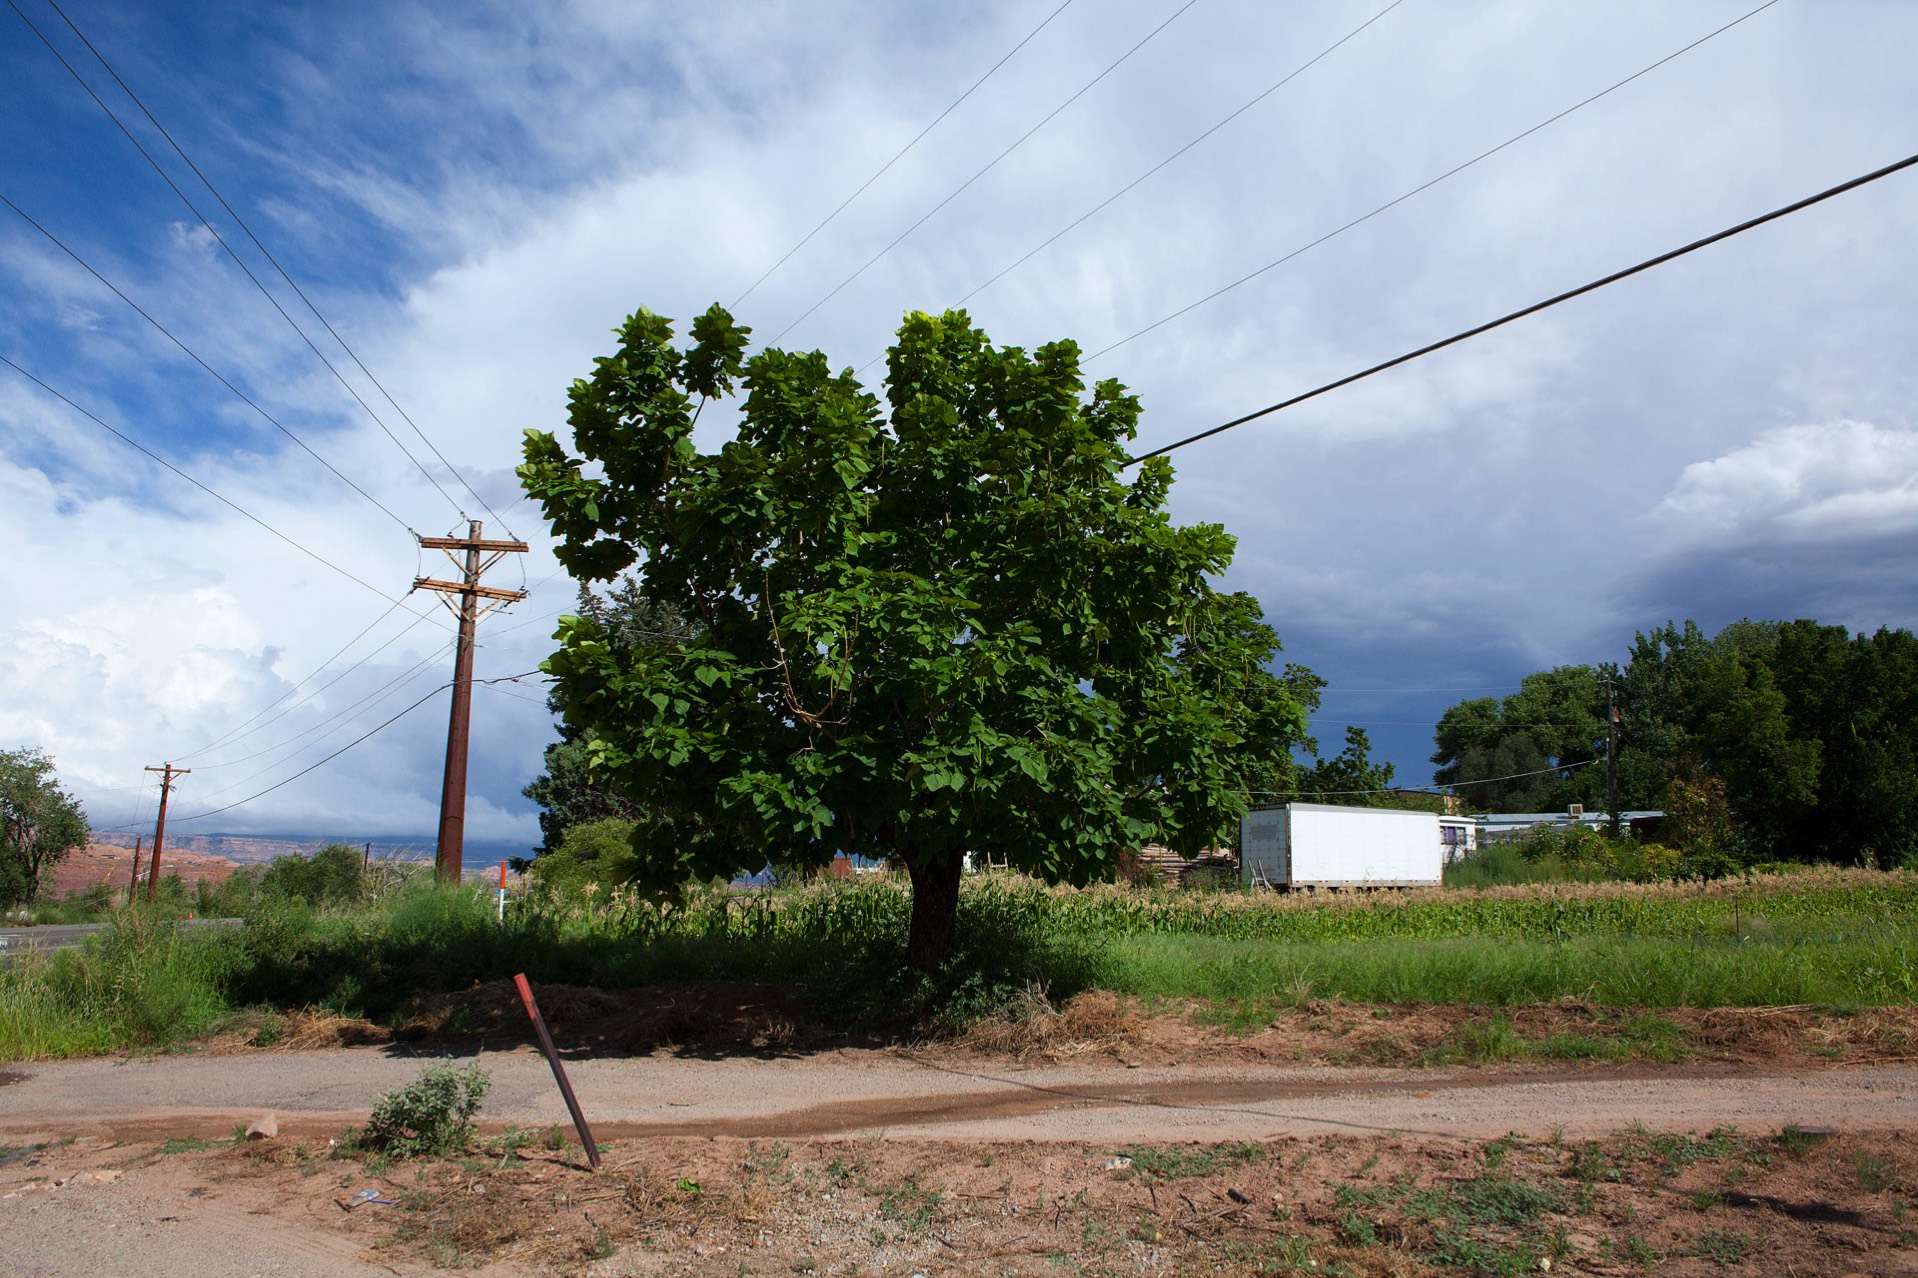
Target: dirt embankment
x: 99, y: 863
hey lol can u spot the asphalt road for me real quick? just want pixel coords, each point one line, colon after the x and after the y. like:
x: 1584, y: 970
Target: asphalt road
x: 58, y: 936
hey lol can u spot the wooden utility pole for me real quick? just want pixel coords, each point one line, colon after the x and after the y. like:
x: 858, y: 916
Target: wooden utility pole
x: 452, y: 840
x: 133, y: 885
x: 1611, y: 754
x: 167, y: 773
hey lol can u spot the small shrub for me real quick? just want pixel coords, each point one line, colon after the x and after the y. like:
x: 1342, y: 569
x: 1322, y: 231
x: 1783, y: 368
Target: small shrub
x: 433, y: 1114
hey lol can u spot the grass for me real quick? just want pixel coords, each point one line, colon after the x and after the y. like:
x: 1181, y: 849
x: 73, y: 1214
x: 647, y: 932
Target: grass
x: 1827, y: 937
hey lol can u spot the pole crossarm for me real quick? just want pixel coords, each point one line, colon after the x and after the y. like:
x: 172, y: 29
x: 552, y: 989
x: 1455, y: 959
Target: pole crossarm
x: 472, y: 543
x: 460, y: 588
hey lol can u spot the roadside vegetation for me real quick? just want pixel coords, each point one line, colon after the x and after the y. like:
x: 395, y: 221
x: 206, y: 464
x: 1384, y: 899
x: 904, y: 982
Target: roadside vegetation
x: 1831, y: 937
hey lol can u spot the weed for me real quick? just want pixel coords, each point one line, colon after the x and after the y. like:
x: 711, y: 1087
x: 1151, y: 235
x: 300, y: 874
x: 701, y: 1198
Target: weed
x: 1357, y: 1230
x: 1875, y: 1175
x: 1171, y: 1162
x: 1639, y: 1252
x: 182, y: 1145
x: 1726, y: 1246
x: 433, y: 1114
x: 1485, y: 1257
x: 910, y: 1204
x: 1798, y: 1142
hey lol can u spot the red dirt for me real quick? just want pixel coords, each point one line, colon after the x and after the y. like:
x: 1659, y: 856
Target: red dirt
x: 100, y: 863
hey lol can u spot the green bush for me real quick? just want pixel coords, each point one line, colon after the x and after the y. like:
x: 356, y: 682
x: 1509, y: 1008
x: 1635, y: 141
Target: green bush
x: 433, y: 1114
x: 331, y: 876
x: 595, y: 855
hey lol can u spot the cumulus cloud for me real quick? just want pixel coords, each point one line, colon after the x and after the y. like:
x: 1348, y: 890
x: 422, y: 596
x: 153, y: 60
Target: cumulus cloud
x: 477, y: 197
x: 1838, y: 480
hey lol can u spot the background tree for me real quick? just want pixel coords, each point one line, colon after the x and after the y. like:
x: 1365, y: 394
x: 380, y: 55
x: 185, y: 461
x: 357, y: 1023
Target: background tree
x: 39, y: 823
x: 1778, y: 740
x: 940, y: 624
x: 1542, y: 737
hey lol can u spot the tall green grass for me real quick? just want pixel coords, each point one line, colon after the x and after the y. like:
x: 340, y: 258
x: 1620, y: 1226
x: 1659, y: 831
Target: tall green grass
x: 1836, y: 937
x: 1846, y: 970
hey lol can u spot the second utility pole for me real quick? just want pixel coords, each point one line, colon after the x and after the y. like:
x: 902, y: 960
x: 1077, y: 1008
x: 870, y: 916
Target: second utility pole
x: 167, y: 773
x: 452, y: 837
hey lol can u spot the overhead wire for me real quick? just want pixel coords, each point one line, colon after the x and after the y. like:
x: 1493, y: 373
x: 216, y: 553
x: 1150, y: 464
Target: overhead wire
x: 236, y: 735
x: 1646, y: 265
x: 320, y: 728
x: 228, y: 502
x: 898, y: 155
x: 201, y: 816
x: 1434, y: 788
x: 1102, y: 205
x: 293, y: 688
x: 195, y: 357
x: 1426, y: 186
x: 990, y: 165
x: 264, y: 251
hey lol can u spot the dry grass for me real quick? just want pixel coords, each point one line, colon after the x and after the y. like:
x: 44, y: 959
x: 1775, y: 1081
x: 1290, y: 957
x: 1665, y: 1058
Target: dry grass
x: 1030, y: 1025
x: 1679, y: 1203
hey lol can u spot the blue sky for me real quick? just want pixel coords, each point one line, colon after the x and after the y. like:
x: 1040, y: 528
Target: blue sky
x: 475, y: 194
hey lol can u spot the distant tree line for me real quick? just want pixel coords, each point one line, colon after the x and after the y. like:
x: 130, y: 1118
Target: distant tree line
x: 1788, y: 741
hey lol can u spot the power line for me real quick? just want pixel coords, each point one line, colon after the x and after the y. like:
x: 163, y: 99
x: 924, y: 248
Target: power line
x: 297, y: 686
x: 267, y: 253
x: 320, y: 727
x: 1100, y: 207
x: 130, y: 442
x: 1487, y: 687
x: 237, y: 735
x: 201, y: 816
x: 961, y: 188
x: 900, y: 155
x: 1427, y: 789
x: 1426, y: 186
x: 194, y: 356
x: 1536, y: 307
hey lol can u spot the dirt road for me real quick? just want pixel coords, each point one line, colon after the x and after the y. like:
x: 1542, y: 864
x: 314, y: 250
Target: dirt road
x: 885, y: 1161
x: 861, y: 1093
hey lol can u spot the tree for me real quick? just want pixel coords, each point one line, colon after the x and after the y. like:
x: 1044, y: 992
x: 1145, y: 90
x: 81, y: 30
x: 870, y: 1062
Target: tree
x: 597, y: 853
x: 1349, y: 777
x: 569, y: 791
x: 937, y: 624
x: 39, y: 823
x: 331, y: 876
x: 1531, y: 751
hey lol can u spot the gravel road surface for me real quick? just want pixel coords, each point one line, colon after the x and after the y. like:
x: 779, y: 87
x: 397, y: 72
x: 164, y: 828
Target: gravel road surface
x: 866, y: 1093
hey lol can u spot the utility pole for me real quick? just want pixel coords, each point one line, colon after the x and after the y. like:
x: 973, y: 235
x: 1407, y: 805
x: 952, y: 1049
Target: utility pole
x: 452, y: 839
x: 133, y: 885
x: 168, y: 772
x: 1611, y: 753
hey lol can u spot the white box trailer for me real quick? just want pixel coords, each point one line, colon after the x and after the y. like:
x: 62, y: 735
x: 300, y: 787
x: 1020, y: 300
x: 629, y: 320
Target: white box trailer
x: 1319, y: 845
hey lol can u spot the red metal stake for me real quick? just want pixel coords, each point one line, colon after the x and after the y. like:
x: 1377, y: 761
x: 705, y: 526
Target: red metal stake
x: 559, y: 1071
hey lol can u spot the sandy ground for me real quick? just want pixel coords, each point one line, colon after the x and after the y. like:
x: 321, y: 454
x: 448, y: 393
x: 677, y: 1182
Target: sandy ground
x: 889, y: 1161
x: 897, y: 1093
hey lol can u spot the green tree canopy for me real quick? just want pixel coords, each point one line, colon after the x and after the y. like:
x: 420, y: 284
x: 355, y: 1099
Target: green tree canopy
x: 1540, y: 737
x: 938, y: 622
x: 1805, y: 734
x: 39, y: 823
x: 568, y: 790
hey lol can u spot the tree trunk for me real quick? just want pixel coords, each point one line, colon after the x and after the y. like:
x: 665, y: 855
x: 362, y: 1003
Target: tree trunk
x: 935, y: 907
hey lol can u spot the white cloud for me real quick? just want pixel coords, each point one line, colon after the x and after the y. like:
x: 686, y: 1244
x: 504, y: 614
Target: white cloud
x: 480, y: 195
x: 1819, y: 482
